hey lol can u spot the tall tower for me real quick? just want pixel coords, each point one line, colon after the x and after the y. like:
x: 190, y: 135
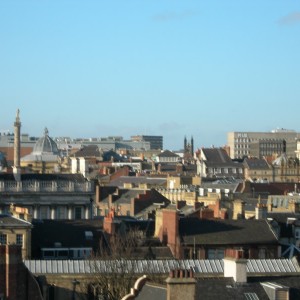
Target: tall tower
x: 17, y: 147
x: 192, y: 146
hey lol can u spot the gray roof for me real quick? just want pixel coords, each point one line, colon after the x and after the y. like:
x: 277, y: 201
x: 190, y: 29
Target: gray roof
x: 256, y: 164
x: 167, y: 153
x: 45, y: 145
x: 226, y: 289
x: 200, y: 267
x: 226, y: 232
x: 45, y: 149
x: 88, y: 151
x: 150, y: 292
x: 124, y: 196
x: 217, y: 155
x: 7, y: 220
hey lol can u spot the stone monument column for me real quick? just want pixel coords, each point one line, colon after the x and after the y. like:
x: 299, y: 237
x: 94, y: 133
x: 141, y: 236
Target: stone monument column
x: 17, y: 147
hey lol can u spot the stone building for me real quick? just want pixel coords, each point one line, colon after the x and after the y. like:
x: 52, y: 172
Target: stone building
x: 48, y: 196
x: 16, y: 281
x: 45, y: 156
x: 16, y: 231
x: 259, y: 144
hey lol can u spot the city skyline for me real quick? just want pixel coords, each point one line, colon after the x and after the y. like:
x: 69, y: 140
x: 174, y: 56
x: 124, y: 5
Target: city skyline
x: 171, y: 68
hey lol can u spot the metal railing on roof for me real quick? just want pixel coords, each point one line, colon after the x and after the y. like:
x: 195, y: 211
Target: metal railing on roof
x: 214, y: 266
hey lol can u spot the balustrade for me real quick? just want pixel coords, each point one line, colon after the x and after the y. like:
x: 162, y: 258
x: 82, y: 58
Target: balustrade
x: 45, y: 186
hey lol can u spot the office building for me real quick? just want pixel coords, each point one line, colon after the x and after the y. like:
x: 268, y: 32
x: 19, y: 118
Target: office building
x: 262, y: 144
x: 156, y: 141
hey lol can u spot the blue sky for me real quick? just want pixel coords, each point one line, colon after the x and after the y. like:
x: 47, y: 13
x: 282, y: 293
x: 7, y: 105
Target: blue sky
x: 174, y: 68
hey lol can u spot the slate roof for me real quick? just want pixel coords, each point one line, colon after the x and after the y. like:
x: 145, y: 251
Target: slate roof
x: 109, y: 154
x: 256, y: 164
x: 88, y: 151
x: 282, y: 217
x: 167, y: 153
x: 227, y: 289
x: 226, y: 232
x: 7, y: 220
x: 124, y: 196
x: 217, y: 155
x: 229, y: 183
x: 272, y: 188
x: 150, y: 292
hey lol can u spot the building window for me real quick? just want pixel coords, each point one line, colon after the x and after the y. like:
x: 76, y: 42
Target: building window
x: 261, y: 253
x: 215, y: 253
x: 61, y: 213
x: 78, y: 213
x: 3, y: 239
x: 19, y: 239
x: 44, y: 212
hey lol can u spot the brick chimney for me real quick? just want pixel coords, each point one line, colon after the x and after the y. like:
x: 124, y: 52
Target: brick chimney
x: 181, y: 284
x: 235, y: 265
x: 206, y: 213
x: 109, y: 225
x: 11, y: 258
x: 167, y: 229
x: 16, y: 282
x: 217, y: 208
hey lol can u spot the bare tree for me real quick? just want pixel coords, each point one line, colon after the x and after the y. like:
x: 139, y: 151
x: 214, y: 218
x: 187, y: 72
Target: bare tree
x: 113, y: 269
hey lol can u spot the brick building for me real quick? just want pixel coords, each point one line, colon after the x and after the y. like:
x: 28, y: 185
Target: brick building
x: 16, y: 282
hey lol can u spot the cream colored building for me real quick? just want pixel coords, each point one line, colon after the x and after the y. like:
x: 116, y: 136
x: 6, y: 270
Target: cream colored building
x: 15, y: 228
x: 259, y: 144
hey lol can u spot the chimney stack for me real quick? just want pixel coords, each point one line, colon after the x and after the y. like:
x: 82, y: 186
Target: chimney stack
x: 235, y: 266
x: 238, y: 209
x: 181, y: 284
